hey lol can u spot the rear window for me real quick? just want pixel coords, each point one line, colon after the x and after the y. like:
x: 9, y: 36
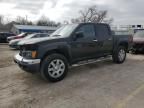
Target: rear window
x: 44, y: 35
x: 40, y: 35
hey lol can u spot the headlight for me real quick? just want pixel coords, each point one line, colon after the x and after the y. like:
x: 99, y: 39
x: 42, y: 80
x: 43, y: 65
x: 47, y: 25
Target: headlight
x: 29, y: 54
x: 29, y: 51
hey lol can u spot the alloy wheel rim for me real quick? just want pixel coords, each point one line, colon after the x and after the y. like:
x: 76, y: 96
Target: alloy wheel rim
x: 121, y: 55
x: 56, y: 68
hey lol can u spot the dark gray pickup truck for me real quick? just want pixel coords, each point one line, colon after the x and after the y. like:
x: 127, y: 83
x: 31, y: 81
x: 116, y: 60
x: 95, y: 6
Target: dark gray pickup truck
x: 69, y: 45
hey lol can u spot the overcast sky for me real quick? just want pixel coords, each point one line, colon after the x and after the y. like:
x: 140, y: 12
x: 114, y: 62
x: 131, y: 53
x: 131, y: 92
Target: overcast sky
x: 123, y: 11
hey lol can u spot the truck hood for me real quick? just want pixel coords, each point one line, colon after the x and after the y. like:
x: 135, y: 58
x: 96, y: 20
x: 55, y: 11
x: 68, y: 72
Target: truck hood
x: 138, y: 40
x: 35, y: 40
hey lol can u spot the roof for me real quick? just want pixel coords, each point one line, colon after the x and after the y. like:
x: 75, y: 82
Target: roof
x: 33, y: 27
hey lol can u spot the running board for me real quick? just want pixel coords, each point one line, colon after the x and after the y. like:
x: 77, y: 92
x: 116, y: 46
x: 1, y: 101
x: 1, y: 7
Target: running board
x: 91, y: 61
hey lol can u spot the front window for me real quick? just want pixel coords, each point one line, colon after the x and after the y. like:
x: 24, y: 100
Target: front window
x: 64, y: 31
x: 87, y: 30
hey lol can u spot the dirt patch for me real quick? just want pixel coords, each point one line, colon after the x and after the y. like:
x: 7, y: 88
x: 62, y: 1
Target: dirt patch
x: 6, y: 56
x: 5, y: 62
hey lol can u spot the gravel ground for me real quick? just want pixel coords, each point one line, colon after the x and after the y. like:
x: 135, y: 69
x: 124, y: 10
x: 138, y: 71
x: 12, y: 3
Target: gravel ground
x: 99, y: 85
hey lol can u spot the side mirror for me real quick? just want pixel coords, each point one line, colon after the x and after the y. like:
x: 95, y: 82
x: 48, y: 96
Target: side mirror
x: 79, y: 35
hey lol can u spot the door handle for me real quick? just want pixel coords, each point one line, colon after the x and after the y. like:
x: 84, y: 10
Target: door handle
x: 95, y: 40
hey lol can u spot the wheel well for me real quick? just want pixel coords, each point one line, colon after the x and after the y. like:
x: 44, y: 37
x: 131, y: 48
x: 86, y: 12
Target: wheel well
x: 58, y: 51
x: 125, y: 44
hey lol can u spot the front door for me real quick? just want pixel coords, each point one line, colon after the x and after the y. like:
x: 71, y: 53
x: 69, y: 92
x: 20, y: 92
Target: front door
x: 87, y: 46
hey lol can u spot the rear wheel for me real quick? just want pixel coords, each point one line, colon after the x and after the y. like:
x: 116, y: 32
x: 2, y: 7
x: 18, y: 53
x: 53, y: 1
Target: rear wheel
x: 54, y: 67
x: 119, y: 55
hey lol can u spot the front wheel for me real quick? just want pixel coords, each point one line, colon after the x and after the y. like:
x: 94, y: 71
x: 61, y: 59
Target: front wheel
x: 54, y: 67
x: 119, y: 55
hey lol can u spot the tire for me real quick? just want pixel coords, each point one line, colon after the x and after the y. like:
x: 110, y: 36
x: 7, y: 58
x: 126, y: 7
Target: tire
x: 54, y: 68
x: 119, y: 56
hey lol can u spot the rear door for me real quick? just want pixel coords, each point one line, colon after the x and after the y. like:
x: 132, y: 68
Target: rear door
x: 105, y: 38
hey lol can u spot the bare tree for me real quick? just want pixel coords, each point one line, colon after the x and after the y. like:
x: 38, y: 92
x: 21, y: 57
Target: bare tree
x: 44, y: 21
x: 92, y: 14
x: 23, y: 21
x: 1, y: 20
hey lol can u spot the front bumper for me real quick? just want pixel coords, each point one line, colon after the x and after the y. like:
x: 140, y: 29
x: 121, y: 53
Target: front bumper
x: 28, y: 65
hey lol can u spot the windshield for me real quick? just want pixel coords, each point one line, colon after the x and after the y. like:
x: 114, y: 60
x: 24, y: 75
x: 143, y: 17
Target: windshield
x: 139, y: 34
x: 64, y: 31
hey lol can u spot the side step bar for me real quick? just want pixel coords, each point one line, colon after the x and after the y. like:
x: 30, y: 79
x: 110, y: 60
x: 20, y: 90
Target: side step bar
x: 91, y: 61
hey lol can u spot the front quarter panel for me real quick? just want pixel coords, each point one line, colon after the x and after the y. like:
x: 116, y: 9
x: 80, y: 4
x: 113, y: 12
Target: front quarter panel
x: 46, y: 48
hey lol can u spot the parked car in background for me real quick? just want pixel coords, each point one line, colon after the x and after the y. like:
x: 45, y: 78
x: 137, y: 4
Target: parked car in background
x: 74, y: 44
x: 138, y: 42
x: 14, y: 43
x: 22, y: 35
x: 4, y: 35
